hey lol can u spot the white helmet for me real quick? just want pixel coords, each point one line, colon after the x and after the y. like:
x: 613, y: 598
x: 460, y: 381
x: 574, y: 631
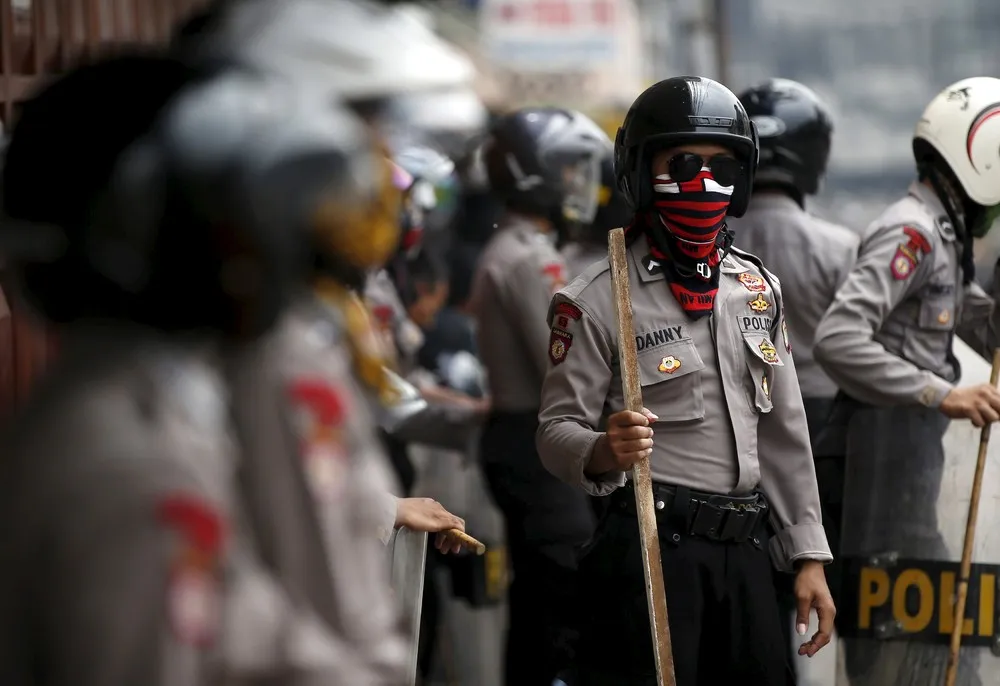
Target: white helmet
x: 962, y: 124
x: 358, y: 49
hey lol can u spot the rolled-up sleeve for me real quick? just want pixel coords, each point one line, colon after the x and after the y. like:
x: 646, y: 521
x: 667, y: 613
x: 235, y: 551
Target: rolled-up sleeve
x: 572, y: 402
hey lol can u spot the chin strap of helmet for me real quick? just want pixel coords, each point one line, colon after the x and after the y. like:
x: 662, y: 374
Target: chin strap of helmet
x: 958, y: 213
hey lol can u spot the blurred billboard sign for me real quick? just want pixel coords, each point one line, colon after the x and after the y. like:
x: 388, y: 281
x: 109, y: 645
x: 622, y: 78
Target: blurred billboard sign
x: 574, y: 53
x: 550, y: 35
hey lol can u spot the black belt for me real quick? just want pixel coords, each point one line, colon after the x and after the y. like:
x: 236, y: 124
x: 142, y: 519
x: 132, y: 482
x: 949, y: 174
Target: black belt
x: 683, y: 511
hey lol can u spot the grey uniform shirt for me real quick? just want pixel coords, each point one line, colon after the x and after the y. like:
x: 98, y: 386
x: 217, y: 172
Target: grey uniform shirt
x: 886, y: 339
x: 350, y: 483
x: 724, y: 388
x: 582, y: 254
x: 518, y: 272
x: 812, y: 258
x: 399, y: 332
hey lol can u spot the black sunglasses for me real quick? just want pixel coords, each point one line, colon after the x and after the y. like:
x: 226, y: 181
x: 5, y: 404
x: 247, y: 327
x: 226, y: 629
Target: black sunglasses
x: 686, y: 165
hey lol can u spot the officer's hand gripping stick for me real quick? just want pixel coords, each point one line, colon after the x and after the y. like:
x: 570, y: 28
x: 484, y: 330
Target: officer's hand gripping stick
x: 970, y: 540
x: 656, y: 598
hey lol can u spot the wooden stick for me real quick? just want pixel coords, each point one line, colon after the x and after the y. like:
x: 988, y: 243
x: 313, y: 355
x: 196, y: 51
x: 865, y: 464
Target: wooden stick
x: 656, y: 599
x: 468, y: 540
x: 970, y: 539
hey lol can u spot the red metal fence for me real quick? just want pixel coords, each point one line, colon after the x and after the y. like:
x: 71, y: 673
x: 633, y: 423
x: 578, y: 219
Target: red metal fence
x: 40, y: 38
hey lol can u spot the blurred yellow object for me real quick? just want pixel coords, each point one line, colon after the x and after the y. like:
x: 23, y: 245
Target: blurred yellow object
x: 362, y: 234
x: 367, y: 351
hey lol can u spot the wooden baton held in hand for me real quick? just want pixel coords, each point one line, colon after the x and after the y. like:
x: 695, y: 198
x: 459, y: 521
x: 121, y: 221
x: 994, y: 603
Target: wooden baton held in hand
x: 970, y: 540
x: 656, y: 599
x: 468, y: 540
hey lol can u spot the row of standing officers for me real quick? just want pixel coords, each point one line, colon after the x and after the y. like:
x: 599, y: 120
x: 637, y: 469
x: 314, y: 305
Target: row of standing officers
x: 197, y: 494
x: 748, y: 449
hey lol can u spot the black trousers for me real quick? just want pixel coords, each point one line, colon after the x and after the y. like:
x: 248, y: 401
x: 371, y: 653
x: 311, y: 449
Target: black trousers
x: 547, y: 523
x: 724, y: 619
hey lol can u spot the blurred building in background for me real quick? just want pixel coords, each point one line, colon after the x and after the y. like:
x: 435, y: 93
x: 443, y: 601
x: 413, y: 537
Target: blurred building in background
x: 877, y: 64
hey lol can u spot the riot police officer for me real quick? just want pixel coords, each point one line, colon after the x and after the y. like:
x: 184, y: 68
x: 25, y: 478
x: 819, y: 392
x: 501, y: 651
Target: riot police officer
x: 116, y: 478
x: 886, y: 341
x: 809, y: 255
x: 543, y: 163
x: 722, y: 395
x: 310, y: 380
x: 589, y: 243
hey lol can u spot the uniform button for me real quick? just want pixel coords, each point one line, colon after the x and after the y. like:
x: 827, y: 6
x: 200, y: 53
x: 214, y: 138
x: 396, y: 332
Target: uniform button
x: 676, y: 538
x: 660, y: 504
x: 756, y: 541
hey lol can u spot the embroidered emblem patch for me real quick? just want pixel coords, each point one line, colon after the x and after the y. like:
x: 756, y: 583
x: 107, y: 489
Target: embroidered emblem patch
x: 564, y: 312
x: 902, y: 265
x: 784, y: 335
x: 320, y: 412
x: 559, y: 345
x: 944, y: 317
x: 764, y: 387
x: 669, y: 364
x: 768, y: 351
x: 193, y: 597
x: 754, y: 284
x: 758, y: 304
x: 909, y: 254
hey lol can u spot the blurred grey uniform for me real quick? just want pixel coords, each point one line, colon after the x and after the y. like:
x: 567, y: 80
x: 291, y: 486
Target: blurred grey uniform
x: 546, y: 521
x: 319, y: 489
x: 886, y: 342
x: 812, y: 258
x: 730, y: 413
x: 401, y: 333
x: 153, y: 575
x: 438, y: 425
x: 518, y: 272
x: 109, y: 442
x: 580, y: 255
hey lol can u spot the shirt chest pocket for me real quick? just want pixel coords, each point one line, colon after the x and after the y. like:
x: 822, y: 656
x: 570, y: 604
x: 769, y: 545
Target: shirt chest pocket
x: 671, y: 381
x: 762, y: 357
x: 926, y: 343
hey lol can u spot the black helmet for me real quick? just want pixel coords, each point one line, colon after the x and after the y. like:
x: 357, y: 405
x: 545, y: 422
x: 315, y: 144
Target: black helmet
x: 546, y: 162
x: 795, y: 129
x: 612, y: 208
x: 684, y: 109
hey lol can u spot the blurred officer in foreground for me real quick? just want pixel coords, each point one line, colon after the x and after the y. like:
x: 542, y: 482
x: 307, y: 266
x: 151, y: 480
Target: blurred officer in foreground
x: 810, y: 256
x: 589, y: 242
x: 338, y: 198
x: 544, y: 165
x: 721, y: 391
x: 126, y: 551
x: 886, y: 341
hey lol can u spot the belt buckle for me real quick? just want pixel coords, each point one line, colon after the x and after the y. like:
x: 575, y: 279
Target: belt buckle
x: 707, y: 520
x: 737, y: 520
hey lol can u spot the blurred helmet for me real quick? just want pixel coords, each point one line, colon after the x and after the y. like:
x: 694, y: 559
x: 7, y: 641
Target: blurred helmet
x: 435, y: 187
x: 264, y: 170
x: 678, y: 111
x: 361, y: 50
x: 613, y: 210
x: 545, y: 161
x: 961, y: 128
x: 794, y: 128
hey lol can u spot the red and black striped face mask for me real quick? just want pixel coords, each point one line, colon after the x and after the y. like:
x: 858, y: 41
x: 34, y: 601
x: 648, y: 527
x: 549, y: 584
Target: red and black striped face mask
x: 693, y: 198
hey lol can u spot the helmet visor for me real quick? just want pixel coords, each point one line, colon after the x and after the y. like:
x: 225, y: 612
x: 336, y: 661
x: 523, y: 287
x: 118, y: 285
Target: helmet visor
x: 579, y: 174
